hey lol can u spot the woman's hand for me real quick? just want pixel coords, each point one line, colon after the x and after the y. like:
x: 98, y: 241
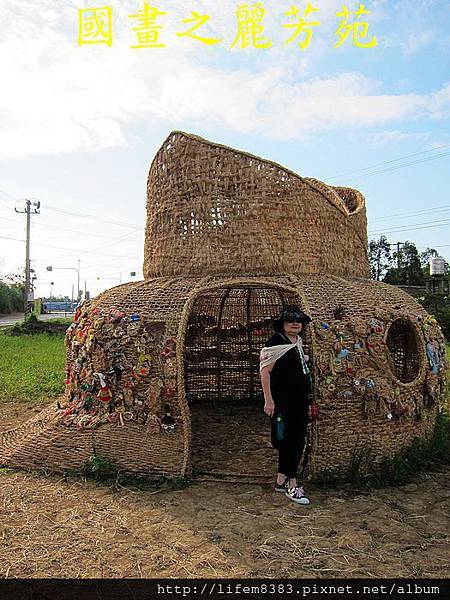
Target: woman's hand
x: 269, y: 407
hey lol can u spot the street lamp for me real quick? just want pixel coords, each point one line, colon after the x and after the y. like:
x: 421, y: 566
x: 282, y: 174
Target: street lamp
x: 50, y: 268
x: 52, y: 283
x: 110, y: 279
x: 119, y: 279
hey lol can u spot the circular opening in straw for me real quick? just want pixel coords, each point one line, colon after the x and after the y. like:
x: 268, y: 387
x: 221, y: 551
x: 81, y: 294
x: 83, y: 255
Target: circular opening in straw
x: 403, y: 350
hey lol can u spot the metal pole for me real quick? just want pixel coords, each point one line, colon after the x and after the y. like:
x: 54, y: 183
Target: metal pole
x: 398, y: 251
x: 27, y: 257
x: 71, y: 301
x: 28, y: 286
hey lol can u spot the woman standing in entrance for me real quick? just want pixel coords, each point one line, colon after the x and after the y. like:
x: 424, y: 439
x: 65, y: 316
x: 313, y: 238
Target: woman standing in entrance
x: 286, y: 384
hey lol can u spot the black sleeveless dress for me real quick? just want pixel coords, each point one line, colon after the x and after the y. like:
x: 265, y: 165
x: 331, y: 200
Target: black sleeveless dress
x: 290, y: 392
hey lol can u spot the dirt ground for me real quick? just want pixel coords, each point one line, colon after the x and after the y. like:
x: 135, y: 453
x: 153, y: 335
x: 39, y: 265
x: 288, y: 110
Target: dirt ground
x: 56, y: 527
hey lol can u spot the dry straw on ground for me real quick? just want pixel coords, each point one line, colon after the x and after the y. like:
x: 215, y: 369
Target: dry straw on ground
x: 53, y: 527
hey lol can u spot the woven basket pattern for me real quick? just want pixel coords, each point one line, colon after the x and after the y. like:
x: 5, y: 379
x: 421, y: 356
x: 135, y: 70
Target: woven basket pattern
x: 227, y: 432
x: 162, y: 375
x: 215, y: 210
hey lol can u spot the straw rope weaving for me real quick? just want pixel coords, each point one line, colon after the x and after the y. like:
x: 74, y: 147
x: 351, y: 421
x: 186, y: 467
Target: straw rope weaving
x: 162, y: 375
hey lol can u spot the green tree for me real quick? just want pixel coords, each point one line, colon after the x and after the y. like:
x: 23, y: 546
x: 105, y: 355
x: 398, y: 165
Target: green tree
x: 380, y: 258
x: 407, y: 269
x: 12, y: 289
x: 11, y: 298
x: 439, y: 306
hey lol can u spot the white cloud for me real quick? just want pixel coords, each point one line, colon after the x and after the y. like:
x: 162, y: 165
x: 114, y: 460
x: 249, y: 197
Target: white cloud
x: 57, y: 97
x: 382, y: 138
x: 440, y: 103
x: 415, y: 40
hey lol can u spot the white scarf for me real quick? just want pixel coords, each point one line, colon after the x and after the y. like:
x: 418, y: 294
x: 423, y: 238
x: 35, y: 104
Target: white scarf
x: 270, y: 354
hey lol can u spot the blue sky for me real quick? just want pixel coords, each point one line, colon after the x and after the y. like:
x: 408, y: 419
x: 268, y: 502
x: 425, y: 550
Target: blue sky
x: 79, y: 126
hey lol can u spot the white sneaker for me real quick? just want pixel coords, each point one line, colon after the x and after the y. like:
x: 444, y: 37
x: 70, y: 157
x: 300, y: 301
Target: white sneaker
x: 297, y: 494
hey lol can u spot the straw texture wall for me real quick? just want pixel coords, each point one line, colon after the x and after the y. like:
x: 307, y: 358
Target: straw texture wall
x: 216, y: 210
x: 162, y: 375
x: 141, y: 331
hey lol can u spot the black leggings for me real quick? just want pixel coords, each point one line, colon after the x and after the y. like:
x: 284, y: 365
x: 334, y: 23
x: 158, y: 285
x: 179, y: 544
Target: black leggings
x: 290, y: 449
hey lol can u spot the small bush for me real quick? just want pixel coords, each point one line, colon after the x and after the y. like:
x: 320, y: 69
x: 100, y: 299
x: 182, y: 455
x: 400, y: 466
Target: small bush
x: 439, y: 306
x: 360, y: 460
x: 100, y: 468
x: 33, y: 326
x: 11, y: 298
x: 421, y: 456
x: 103, y: 470
x: 328, y: 476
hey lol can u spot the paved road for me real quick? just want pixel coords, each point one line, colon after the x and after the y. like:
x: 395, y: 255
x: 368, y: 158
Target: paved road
x: 15, y: 317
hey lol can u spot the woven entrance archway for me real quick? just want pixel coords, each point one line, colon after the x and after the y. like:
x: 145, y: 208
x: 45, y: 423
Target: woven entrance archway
x: 226, y: 330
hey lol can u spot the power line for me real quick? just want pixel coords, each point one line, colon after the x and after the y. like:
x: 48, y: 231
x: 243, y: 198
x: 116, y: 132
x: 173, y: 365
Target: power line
x: 413, y: 227
x: 78, y: 214
x: 108, y: 238
x: 110, y: 264
x: 94, y: 218
x: 386, y: 162
x: 103, y: 245
x: 74, y: 250
x: 5, y: 203
x: 423, y: 223
x: 9, y: 196
x: 375, y: 219
x: 4, y: 237
x: 50, y: 227
x: 412, y: 214
x: 414, y: 162
x: 9, y: 219
x: 92, y: 251
x: 441, y: 246
x: 129, y: 225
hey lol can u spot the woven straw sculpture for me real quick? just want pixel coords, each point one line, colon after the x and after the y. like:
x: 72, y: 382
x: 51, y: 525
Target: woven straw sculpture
x: 162, y: 375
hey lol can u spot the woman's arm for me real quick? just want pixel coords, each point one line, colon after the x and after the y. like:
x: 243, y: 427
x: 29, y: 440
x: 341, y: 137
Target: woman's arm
x: 269, y: 406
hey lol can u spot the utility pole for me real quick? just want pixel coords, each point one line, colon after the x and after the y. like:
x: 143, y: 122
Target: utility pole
x: 397, y: 245
x: 28, y: 286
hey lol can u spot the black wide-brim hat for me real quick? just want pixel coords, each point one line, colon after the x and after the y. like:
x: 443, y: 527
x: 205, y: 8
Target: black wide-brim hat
x: 291, y: 312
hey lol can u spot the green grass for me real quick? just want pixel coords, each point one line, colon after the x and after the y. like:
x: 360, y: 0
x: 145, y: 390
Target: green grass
x: 31, y: 367
x: 422, y: 455
x: 405, y: 467
x: 104, y: 471
x: 33, y: 326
